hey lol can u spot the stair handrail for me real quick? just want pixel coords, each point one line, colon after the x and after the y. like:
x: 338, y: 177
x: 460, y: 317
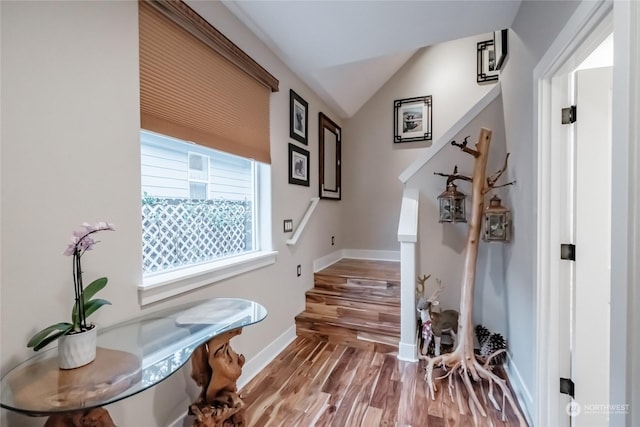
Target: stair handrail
x: 303, y: 223
x: 453, y: 131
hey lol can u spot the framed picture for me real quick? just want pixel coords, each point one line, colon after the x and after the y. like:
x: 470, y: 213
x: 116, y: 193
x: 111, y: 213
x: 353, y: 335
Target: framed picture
x: 298, y: 117
x: 298, y: 165
x: 500, y: 39
x: 330, y: 158
x: 412, y: 119
x: 486, y: 62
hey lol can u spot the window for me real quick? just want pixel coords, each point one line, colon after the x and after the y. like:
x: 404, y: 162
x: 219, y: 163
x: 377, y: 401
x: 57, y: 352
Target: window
x: 199, y: 205
x: 198, y: 176
x: 205, y: 207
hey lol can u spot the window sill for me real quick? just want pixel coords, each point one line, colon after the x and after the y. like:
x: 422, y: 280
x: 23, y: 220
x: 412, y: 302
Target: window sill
x: 167, y: 285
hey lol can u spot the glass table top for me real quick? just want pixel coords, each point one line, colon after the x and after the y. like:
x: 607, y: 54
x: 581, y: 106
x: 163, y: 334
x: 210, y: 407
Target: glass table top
x: 131, y: 357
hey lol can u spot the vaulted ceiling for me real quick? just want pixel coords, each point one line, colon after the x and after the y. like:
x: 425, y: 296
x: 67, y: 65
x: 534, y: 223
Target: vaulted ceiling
x: 346, y: 50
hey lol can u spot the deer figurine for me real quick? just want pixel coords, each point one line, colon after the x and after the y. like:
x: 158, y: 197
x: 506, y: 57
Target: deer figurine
x: 434, y: 321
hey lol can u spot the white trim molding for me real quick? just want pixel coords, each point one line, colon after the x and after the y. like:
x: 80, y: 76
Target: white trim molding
x: 522, y: 391
x: 450, y: 134
x: 333, y: 257
x: 573, y: 43
x: 163, y: 286
x: 258, y: 362
x: 408, y: 237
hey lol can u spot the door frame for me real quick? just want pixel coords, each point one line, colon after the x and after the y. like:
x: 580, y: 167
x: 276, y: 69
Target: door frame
x: 577, y: 39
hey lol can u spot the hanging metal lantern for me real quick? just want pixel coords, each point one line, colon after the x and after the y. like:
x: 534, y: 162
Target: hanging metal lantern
x: 497, y: 222
x: 452, y: 205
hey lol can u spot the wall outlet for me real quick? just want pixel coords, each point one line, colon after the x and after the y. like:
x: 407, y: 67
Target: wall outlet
x: 333, y: 240
x: 299, y: 270
x: 288, y: 225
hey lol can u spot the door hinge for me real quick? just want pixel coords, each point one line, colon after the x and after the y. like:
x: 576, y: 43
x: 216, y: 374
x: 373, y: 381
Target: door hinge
x: 567, y: 386
x: 568, y: 251
x: 569, y: 115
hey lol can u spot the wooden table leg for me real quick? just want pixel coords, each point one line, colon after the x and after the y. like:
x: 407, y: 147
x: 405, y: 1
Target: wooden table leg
x: 216, y: 368
x: 96, y: 417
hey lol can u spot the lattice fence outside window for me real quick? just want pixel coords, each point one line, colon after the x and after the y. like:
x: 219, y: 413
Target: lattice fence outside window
x: 182, y: 232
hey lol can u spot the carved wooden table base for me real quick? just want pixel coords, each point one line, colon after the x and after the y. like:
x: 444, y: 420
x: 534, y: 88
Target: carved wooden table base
x: 216, y: 368
x: 96, y: 417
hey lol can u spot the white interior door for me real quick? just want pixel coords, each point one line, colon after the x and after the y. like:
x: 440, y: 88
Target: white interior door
x: 590, y: 353
x: 563, y: 231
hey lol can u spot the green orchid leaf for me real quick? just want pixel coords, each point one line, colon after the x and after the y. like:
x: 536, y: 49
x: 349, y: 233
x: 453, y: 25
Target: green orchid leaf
x: 94, y: 287
x: 91, y: 306
x: 48, y: 335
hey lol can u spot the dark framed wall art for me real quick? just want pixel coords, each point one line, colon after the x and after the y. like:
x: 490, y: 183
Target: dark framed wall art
x: 491, y: 55
x: 412, y: 119
x: 298, y: 165
x: 298, y: 117
x: 330, y: 158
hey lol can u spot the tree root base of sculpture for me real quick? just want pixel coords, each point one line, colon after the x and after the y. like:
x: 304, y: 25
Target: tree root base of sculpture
x: 215, y: 367
x: 226, y: 411
x: 96, y: 417
x: 470, y: 370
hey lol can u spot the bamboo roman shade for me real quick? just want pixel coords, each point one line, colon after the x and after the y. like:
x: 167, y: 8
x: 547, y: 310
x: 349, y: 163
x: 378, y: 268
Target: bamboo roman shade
x: 191, y: 91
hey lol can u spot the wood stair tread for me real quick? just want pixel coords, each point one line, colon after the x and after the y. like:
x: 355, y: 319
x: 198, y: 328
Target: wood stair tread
x: 364, y: 325
x: 364, y: 269
x: 375, y: 296
x: 354, y: 303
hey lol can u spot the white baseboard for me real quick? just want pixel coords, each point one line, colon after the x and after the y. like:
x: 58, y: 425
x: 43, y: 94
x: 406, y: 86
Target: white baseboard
x: 372, y: 254
x: 325, y: 261
x: 256, y: 364
x: 519, y: 387
x: 408, y: 352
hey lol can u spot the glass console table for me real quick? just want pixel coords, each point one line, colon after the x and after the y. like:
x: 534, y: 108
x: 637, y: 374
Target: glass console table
x: 131, y: 357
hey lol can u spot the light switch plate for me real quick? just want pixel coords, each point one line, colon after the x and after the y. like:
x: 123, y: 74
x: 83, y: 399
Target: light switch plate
x: 288, y: 225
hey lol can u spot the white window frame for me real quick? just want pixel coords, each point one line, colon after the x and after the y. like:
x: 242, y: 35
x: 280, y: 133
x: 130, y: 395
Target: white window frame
x: 206, y: 159
x: 169, y: 284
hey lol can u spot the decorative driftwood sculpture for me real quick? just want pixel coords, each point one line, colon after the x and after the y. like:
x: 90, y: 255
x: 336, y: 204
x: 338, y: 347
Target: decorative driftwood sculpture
x: 462, y: 361
x: 96, y: 417
x: 216, y: 367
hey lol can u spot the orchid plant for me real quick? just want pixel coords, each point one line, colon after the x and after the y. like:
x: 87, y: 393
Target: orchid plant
x: 81, y: 242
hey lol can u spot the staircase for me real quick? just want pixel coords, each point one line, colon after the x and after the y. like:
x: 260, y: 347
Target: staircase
x: 355, y: 303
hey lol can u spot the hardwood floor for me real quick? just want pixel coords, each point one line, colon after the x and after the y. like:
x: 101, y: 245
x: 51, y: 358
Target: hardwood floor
x: 318, y: 383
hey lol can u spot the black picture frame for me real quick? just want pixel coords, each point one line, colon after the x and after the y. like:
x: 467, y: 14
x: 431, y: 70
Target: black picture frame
x: 486, y: 62
x: 500, y: 45
x: 298, y: 117
x: 298, y: 165
x: 412, y: 119
x: 329, y: 158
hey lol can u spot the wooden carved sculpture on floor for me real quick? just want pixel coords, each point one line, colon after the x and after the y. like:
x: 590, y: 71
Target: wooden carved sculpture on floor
x: 463, y: 361
x: 216, y: 368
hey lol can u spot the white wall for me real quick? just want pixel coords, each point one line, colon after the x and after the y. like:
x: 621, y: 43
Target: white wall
x: 70, y: 153
x: 533, y: 30
x: 372, y: 162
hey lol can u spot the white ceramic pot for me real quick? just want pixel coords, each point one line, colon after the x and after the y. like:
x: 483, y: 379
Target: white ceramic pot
x: 77, y: 349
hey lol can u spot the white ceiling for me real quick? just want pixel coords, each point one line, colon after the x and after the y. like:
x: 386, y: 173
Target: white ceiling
x: 346, y: 50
